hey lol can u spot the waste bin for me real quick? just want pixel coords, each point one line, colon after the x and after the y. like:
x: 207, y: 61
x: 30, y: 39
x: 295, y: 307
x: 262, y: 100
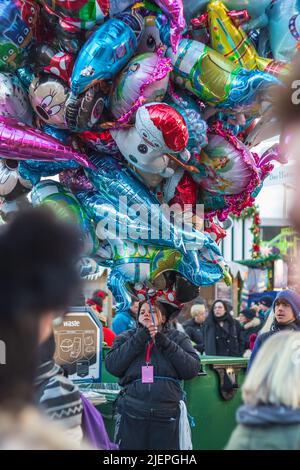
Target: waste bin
x: 212, y: 399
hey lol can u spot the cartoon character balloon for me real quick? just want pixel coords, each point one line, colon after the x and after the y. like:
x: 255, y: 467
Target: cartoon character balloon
x: 144, y: 79
x: 159, y: 129
x: 16, y: 35
x: 229, y: 166
x: 48, y: 96
x: 52, y: 101
x: 232, y: 173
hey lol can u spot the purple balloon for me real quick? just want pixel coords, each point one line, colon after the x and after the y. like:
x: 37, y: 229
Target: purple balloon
x: 21, y: 142
x: 75, y: 180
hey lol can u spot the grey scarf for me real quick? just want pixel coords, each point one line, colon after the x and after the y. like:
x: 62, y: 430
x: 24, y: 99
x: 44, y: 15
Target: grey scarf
x: 266, y: 415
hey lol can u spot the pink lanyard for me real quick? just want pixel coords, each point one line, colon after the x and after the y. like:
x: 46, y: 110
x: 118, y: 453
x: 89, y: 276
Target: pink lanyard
x: 150, y: 345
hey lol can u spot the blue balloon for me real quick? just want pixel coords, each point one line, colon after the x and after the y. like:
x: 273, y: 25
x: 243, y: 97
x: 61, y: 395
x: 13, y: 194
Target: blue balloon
x: 33, y: 170
x: 284, y: 28
x: 60, y: 134
x: 107, y: 51
x: 138, y: 216
x: 134, y: 262
x: 26, y: 76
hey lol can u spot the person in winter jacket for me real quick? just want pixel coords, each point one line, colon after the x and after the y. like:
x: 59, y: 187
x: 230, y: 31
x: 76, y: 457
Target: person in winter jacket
x: 250, y: 324
x: 195, y: 326
x: 270, y: 416
x: 56, y: 395
x: 222, y: 333
x: 264, y: 307
x: 38, y: 281
x: 126, y: 320
x: 151, y: 361
x: 287, y: 317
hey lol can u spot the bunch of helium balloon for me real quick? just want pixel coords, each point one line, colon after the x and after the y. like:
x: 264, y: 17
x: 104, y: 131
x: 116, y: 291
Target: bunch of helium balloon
x: 155, y: 103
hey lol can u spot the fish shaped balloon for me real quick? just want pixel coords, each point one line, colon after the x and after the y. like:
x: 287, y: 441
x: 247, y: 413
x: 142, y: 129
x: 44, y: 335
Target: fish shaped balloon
x: 217, y: 81
x: 107, y: 51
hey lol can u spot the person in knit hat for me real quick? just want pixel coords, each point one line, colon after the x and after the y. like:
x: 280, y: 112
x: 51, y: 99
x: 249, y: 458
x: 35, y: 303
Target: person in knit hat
x: 286, y: 309
x: 265, y: 307
x: 250, y: 324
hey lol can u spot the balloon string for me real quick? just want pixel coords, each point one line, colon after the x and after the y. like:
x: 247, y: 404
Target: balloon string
x: 191, y: 168
x: 151, y: 310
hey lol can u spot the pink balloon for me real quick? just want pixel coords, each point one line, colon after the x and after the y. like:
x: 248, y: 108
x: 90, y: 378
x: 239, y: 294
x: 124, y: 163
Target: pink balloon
x: 21, y: 142
x: 174, y: 10
x: 273, y: 154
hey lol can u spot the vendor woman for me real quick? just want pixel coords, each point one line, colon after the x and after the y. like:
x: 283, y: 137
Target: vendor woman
x: 151, y: 361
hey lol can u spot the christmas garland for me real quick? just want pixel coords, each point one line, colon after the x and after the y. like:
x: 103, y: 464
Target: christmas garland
x: 253, y: 213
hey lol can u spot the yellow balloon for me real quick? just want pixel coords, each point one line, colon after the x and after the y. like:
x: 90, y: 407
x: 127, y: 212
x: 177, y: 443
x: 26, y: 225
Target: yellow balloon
x: 230, y: 40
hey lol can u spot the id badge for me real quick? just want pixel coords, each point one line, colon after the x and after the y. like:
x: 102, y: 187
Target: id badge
x: 147, y: 375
